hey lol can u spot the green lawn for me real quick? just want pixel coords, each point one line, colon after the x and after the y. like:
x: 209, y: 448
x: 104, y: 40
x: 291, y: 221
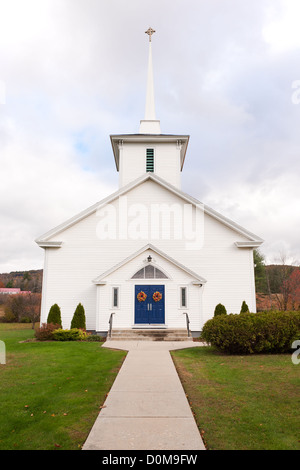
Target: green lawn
x: 242, y: 402
x: 51, y: 392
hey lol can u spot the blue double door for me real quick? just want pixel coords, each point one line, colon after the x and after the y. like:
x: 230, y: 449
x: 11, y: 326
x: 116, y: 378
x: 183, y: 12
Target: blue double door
x: 149, y: 304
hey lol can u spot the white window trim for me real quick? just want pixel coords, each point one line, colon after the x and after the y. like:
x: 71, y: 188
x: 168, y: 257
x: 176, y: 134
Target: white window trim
x: 181, y: 307
x: 168, y: 278
x: 112, y: 297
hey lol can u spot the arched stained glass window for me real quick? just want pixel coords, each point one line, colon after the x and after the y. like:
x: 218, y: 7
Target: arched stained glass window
x: 149, y: 272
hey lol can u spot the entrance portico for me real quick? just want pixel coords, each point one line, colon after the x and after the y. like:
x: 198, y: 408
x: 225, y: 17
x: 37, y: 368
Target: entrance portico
x: 149, y: 290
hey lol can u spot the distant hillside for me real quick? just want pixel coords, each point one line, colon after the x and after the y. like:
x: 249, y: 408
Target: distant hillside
x: 25, y: 280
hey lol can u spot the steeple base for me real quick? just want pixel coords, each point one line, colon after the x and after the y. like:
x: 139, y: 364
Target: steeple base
x: 149, y: 127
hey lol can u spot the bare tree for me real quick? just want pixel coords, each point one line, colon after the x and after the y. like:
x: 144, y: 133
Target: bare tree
x: 286, y: 287
x: 16, y: 304
x: 33, y: 307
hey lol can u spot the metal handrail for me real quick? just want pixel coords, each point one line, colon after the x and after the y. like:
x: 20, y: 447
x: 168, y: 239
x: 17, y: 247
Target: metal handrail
x: 187, y: 323
x: 110, y: 322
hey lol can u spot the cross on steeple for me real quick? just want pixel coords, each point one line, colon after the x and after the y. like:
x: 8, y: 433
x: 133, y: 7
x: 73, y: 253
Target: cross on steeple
x: 150, y: 31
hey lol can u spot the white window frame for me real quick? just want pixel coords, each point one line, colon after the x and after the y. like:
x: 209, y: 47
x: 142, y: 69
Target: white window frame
x: 113, y: 297
x: 150, y: 278
x: 183, y: 307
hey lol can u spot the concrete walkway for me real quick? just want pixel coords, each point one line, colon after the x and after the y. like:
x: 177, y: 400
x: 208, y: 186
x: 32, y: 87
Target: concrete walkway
x: 146, y: 408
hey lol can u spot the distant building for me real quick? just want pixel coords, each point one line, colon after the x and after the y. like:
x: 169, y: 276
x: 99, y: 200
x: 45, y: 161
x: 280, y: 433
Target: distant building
x: 13, y: 291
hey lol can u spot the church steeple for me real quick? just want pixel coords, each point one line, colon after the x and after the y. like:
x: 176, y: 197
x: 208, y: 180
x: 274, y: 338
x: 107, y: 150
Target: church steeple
x: 149, y: 152
x: 150, y: 125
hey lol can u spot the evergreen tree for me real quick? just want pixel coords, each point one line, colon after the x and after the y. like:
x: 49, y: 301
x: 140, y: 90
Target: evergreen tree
x: 261, y: 285
x: 220, y: 310
x: 78, y: 320
x: 244, y: 308
x: 54, y: 315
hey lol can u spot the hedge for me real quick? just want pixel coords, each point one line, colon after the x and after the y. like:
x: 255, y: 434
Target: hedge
x: 247, y: 333
x: 74, y: 334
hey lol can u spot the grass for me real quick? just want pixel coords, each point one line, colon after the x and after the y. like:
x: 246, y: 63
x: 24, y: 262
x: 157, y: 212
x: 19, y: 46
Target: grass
x: 51, y: 392
x: 242, y: 402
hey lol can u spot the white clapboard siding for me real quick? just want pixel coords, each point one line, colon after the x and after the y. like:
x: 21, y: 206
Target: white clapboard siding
x: 83, y: 256
x: 166, y: 162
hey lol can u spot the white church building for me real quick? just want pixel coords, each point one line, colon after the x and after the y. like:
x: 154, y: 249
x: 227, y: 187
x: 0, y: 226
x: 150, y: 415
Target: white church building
x: 150, y: 254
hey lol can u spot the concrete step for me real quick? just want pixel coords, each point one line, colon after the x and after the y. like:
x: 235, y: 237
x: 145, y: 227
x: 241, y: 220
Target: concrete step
x: 147, y: 334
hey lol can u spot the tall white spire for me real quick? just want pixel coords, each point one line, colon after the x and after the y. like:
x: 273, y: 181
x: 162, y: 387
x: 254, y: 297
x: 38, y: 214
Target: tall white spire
x: 150, y: 105
x: 150, y: 125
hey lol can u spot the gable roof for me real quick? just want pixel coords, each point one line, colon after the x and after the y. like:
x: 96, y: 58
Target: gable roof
x: 149, y: 246
x: 43, y: 240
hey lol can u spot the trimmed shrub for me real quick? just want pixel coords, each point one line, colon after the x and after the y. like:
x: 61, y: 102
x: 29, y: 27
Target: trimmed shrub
x: 45, y: 332
x: 74, y: 334
x: 244, y: 308
x: 78, y: 320
x: 220, y: 310
x: 247, y: 333
x: 95, y: 338
x: 54, y: 315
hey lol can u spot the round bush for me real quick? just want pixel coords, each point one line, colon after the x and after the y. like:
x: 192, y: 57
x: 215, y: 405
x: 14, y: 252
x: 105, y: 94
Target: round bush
x: 246, y: 333
x: 45, y: 331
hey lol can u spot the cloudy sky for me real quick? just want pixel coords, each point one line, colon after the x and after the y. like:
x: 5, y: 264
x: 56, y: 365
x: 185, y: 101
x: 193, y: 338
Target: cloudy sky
x: 72, y: 72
